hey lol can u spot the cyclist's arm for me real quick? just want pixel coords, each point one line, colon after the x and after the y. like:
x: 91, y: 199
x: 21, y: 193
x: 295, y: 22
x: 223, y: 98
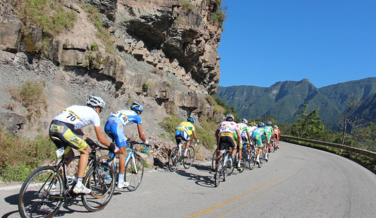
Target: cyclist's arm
x: 100, y: 136
x: 140, y: 133
x: 194, y: 135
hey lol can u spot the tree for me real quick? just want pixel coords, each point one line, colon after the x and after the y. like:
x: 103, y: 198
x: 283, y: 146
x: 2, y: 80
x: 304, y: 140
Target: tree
x: 347, y: 121
x: 308, y: 125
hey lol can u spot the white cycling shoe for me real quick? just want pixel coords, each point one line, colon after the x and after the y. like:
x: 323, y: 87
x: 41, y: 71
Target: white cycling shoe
x: 81, y: 190
x: 123, y: 185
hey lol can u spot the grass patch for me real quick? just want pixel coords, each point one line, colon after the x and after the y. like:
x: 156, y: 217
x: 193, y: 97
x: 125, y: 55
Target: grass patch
x: 187, y: 5
x: 169, y: 124
x: 31, y: 96
x: 20, y: 156
x: 102, y: 32
x: 49, y: 15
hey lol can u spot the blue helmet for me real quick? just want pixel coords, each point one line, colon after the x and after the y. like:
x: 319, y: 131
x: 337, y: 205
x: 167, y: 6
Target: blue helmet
x: 191, y: 119
x: 268, y: 123
x: 137, y: 107
x: 260, y: 124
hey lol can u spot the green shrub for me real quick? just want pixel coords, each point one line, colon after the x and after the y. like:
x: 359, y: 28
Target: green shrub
x: 187, y: 5
x: 19, y: 156
x: 31, y: 96
x: 169, y: 124
x: 94, y: 47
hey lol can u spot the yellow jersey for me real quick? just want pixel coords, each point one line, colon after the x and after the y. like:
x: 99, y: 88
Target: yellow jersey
x: 187, y: 127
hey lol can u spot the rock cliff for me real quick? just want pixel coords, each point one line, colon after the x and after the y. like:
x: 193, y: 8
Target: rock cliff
x: 159, y: 52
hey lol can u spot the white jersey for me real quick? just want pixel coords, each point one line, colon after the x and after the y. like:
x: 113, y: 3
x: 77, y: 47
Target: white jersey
x: 228, y: 126
x: 251, y: 129
x: 79, y: 116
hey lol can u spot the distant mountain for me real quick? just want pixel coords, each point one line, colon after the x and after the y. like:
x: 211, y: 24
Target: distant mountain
x: 285, y: 100
x: 367, y: 109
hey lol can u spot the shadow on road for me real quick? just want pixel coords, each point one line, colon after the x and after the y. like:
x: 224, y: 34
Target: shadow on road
x: 206, y: 181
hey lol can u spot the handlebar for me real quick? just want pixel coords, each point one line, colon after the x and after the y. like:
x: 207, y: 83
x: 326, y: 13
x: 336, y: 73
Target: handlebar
x: 139, y: 143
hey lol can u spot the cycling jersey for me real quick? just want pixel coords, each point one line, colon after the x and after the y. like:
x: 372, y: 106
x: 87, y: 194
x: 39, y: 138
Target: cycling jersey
x: 243, y: 132
x: 63, y: 126
x: 114, y: 127
x: 227, y: 134
x: 269, y: 131
x: 187, y: 127
x: 251, y: 129
x: 79, y: 116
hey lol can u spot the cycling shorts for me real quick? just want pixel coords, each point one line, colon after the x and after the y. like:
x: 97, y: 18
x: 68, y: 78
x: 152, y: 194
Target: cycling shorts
x: 114, y: 128
x: 181, y: 135
x: 269, y: 136
x: 226, y: 141
x: 256, y: 137
x: 70, y: 138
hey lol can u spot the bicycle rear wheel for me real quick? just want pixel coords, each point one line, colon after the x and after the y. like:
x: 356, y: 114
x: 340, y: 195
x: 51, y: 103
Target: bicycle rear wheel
x: 188, y: 161
x: 100, y: 179
x: 41, y: 195
x: 219, y: 172
x: 173, y: 160
x: 213, y: 159
x: 230, y: 166
x: 134, y: 171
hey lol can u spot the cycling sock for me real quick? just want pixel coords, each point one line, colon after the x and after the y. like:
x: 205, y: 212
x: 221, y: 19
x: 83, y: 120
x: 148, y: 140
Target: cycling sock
x: 121, y: 178
x: 79, y: 181
x: 258, y: 158
x: 185, y: 151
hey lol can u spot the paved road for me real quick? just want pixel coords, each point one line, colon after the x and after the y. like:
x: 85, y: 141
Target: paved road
x: 296, y: 182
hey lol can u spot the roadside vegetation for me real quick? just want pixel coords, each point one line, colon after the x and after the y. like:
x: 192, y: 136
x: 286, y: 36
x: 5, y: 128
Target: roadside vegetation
x: 19, y: 156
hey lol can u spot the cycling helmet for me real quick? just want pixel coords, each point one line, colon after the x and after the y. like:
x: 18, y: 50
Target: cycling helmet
x: 245, y: 121
x: 95, y: 101
x: 276, y: 126
x: 252, y: 124
x: 260, y: 124
x: 229, y: 117
x: 191, y: 119
x: 137, y: 107
x: 268, y: 123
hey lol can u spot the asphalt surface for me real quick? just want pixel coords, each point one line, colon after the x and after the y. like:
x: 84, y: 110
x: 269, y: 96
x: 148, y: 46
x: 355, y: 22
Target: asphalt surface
x: 296, y: 182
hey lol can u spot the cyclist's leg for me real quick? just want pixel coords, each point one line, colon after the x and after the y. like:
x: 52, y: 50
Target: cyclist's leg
x: 115, y: 129
x: 66, y: 133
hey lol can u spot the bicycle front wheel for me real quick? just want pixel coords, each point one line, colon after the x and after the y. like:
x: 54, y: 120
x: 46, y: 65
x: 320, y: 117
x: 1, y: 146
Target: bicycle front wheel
x: 188, y: 161
x: 134, y: 171
x: 100, y: 179
x: 41, y: 194
x: 173, y: 160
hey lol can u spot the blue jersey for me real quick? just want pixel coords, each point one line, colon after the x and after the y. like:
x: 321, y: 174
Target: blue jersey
x: 127, y: 117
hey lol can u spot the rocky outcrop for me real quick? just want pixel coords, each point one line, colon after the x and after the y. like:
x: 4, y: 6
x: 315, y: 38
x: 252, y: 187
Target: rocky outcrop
x: 12, y: 122
x: 179, y: 30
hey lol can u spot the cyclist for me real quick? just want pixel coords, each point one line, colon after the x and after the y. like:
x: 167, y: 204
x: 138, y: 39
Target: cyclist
x: 269, y: 132
x: 114, y: 128
x: 257, y: 138
x: 251, y: 128
x: 67, y: 126
x: 276, y: 134
x: 228, y: 132
x: 184, y: 132
x: 245, y: 138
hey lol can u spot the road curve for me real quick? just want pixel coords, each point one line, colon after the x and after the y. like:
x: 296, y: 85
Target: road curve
x: 296, y: 182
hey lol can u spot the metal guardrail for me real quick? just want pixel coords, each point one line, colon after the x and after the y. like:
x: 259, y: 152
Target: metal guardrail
x: 334, y: 145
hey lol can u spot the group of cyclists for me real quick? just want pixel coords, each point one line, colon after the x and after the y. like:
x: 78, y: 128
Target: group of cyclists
x: 67, y: 127
x: 236, y: 135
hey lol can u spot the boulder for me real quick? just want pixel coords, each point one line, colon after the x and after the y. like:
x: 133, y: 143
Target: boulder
x: 12, y: 122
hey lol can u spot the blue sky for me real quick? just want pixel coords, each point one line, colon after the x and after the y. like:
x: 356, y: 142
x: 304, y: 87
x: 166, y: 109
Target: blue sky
x: 325, y: 41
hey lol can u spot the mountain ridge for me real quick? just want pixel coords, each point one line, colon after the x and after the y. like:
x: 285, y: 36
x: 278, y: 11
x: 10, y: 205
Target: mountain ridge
x: 284, y: 99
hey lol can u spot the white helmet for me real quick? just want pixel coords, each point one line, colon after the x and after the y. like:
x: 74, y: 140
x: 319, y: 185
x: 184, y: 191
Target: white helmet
x: 229, y: 117
x: 245, y: 121
x: 95, y: 101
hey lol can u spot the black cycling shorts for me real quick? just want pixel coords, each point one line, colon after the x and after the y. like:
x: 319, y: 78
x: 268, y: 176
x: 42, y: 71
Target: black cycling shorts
x: 226, y: 141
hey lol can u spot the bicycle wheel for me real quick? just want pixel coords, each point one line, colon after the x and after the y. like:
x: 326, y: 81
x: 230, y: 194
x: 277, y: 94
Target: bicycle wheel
x: 173, y: 160
x: 219, y: 172
x: 134, y: 171
x: 213, y: 159
x: 188, y: 161
x: 229, y: 166
x: 41, y: 193
x: 100, y: 179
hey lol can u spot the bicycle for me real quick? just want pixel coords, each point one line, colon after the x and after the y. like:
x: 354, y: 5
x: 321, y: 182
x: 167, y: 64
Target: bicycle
x: 134, y: 165
x: 47, y: 188
x: 224, y: 168
x: 176, y: 156
x: 273, y: 147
